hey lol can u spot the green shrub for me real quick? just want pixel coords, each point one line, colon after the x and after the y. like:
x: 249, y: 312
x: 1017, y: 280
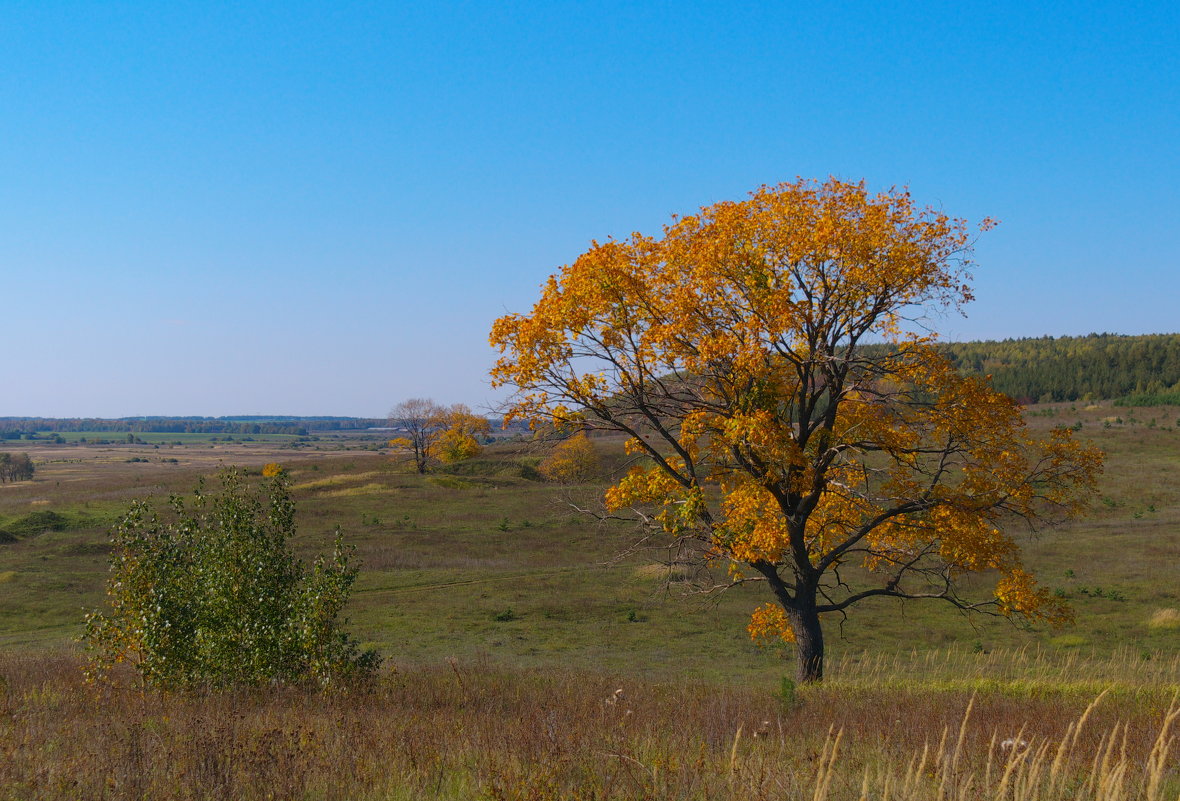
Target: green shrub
x: 787, y: 693
x: 215, y: 596
x: 38, y: 522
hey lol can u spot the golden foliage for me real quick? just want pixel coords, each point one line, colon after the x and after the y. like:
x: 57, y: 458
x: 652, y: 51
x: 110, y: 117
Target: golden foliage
x: 454, y: 446
x: 272, y: 470
x: 443, y: 433
x: 731, y: 350
x: 454, y: 437
x: 769, y: 623
x: 574, y: 459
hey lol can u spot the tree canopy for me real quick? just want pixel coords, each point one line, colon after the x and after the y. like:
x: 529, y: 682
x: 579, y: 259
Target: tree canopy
x: 573, y: 459
x: 732, y: 351
x: 444, y: 433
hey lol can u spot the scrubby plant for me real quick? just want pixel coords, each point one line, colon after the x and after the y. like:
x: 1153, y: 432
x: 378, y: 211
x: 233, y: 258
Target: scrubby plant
x: 573, y: 460
x: 214, y: 595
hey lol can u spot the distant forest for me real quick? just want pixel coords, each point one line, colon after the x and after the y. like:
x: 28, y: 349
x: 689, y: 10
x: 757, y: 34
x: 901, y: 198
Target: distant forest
x: 187, y: 425
x: 1139, y: 370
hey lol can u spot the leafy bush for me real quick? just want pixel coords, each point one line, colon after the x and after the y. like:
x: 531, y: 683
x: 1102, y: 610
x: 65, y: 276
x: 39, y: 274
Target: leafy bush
x: 215, y: 596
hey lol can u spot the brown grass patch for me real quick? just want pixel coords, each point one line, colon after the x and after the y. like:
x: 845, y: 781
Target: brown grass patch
x: 366, y: 489
x: 660, y: 572
x: 334, y: 481
x: 462, y: 731
x: 1168, y: 618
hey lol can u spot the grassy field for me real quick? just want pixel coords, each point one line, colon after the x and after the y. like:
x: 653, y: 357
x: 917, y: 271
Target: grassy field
x: 484, y: 560
x: 508, y: 619
x: 889, y: 729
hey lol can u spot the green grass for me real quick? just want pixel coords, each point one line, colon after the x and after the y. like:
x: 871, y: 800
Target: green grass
x: 443, y: 554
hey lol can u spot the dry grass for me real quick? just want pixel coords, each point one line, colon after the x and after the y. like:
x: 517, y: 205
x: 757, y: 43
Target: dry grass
x: 456, y: 731
x: 1168, y: 618
x: 335, y: 481
x: 364, y: 489
x: 1021, y: 671
x: 661, y: 572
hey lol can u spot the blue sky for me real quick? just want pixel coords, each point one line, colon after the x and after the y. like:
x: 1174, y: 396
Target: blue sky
x: 319, y: 207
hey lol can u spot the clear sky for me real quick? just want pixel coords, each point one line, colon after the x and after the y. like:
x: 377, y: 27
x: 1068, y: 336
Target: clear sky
x: 320, y: 207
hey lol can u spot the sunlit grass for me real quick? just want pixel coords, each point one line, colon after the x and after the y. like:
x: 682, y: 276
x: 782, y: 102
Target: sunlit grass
x: 469, y: 730
x: 335, y: 480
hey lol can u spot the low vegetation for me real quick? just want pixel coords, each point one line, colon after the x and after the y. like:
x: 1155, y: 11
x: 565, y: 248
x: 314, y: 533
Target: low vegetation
x: 509, y: 621
x: 481, y: 730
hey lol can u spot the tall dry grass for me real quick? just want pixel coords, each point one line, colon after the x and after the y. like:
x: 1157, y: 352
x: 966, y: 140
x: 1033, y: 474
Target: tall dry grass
x: 1026, y: 670
x: 468, y: 731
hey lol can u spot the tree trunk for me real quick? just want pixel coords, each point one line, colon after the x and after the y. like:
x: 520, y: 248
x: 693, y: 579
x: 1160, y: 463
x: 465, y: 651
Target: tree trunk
x: 809, y: 644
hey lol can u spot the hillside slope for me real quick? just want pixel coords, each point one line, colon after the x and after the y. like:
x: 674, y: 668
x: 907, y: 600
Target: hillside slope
x: 1050, y: 369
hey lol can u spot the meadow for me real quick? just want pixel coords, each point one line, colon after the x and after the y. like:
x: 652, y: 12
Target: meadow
x: 509, y: 619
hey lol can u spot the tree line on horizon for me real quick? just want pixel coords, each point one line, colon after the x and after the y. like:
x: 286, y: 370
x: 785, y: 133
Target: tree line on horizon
x: 1142, y: 370
x: 300, y: 426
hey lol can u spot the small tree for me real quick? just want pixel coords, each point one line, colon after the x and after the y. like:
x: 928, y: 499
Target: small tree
x: 418, y: 418
x: 214, y: 595
x: 458, y: 434
x: 443, y: 433
x: 573, y: 460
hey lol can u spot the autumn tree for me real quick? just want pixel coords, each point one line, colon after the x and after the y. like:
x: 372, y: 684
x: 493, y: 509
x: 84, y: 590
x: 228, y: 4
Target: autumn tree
x: 732, y: 351
x: 458, y: 434
x: 432, y: 431
x: 574, y: 459
x: 418, y: 419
